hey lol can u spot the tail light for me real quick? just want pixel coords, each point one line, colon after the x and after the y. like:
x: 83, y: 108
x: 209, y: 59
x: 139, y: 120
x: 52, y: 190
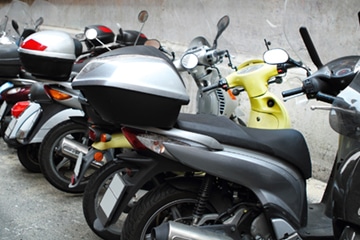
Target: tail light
x: 19, y: 108
x: 105, y: 29
x: 151, y: 141
x: 16, y: 94
x: 92, y: 135
x: 56, y: 94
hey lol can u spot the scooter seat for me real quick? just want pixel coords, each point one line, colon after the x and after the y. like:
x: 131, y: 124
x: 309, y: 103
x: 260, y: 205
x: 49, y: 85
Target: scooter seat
x: 287, y: 144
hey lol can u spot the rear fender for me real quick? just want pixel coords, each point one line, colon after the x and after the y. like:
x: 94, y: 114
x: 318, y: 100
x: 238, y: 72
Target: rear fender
x: 45, y: 126
x: 143, y: 169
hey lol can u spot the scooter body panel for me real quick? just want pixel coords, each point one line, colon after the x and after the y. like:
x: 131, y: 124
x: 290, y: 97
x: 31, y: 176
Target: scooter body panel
x: 29, y: 115
x: 52, y: 121
x: 278, y: 185
x: 346, y: 191
x: 36, y: 121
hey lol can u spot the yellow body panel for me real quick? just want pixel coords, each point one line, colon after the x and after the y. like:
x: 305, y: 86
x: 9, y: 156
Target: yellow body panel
x: 267, y: 111
x: 118, y: 140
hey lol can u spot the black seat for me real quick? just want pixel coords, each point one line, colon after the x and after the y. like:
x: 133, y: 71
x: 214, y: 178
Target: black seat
x: 287, y: 144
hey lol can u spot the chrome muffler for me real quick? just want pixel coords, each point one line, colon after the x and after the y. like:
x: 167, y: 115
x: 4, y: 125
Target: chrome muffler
x: 178, y: 231
x: 72, y: 149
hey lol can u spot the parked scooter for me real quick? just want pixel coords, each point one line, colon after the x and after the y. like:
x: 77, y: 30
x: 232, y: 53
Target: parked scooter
x: 200, y: 61
x: 255, y: 181
x: 114, y: 84
x: 56, y: 107
x: 255, y: 208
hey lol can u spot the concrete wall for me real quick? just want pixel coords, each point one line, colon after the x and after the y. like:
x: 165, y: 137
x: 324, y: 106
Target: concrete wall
x: 333, y: 25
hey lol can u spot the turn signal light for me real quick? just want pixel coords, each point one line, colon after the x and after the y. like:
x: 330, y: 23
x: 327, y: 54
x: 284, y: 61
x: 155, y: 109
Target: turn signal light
x: 56, y: 94
x: 232, y: 96
x: 104, y: 137
x: 98, y: 156
x: 19, y: 108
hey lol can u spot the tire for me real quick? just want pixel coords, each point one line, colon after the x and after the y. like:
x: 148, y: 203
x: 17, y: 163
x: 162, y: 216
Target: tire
x: 4, y: 124
x: 93, y: 194
x: 58, y: 169
x: 28, y: 156
x: 155, y: 207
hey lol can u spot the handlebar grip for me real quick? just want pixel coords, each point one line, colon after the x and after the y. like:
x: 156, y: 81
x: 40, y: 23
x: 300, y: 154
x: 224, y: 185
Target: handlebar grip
x: 325, y: 97
x: 291, y: 92
x: 219, y: 53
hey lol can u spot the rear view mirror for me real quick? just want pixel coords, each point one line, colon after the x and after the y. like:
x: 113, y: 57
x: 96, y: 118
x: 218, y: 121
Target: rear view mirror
x: 143, y: 16
x: 276, y: 56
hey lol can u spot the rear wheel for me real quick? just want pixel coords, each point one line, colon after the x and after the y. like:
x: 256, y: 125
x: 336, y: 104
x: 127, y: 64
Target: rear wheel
x: 93, y: 194
x: 164, y: 204
x: 56, y: 167
x: 28, y: 156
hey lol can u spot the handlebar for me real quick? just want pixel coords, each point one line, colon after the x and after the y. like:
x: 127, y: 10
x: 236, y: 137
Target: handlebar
x: 292, y: 92
x: 325, y: 97
x: 212, y: 56
x: 222, y: 83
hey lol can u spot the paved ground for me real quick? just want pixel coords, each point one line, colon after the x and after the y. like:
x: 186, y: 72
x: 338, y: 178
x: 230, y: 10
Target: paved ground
x: 30, y: 208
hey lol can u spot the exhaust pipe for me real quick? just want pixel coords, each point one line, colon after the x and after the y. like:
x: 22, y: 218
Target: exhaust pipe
x: 71, y: 148
x: 174, y: 230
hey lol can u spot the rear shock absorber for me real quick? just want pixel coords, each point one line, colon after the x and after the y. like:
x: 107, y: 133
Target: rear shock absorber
x: 203, y: 197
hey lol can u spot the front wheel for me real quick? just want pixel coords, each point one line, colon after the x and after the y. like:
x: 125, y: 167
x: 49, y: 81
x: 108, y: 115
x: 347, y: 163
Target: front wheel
x: 163, y: 204
x: 56, y: 167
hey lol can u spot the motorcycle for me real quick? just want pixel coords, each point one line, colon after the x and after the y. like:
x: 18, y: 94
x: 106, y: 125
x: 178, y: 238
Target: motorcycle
x: 98, y: 203
x: 200, y: 61
x: 258, y: 209
x: 55, y: 111
x: 254, y: 185
x: 203, y: 71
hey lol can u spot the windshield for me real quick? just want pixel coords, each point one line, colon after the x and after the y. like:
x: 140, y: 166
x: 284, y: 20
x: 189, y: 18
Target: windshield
x: 329, y: 32
x: 20, y: 12
x: 46, y: 10
x: 345, y: 116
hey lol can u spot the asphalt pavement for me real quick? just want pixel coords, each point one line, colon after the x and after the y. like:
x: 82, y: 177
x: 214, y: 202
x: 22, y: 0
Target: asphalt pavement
x: 31, y: 208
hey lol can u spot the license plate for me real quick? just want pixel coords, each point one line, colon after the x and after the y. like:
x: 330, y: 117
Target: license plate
x: 112, y: 194
x: 2, y: 109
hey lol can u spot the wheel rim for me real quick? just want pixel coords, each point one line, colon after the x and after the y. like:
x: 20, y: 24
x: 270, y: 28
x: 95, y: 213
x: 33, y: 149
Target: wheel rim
x: 172, y: 211
x: 62, y: 165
